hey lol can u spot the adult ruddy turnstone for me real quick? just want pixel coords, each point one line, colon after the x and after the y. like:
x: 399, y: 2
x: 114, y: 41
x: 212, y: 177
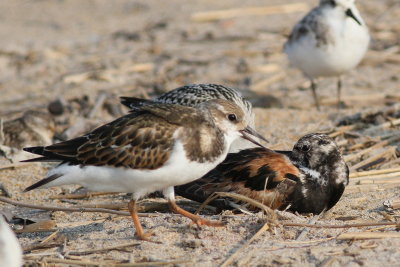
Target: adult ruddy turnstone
x: 193, y: 95
x: 329, y: 41
x: 155, y: 147
x: 309, y: 179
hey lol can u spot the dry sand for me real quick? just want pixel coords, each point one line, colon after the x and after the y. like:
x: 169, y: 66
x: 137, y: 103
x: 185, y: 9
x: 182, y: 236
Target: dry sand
x: 51, y: 49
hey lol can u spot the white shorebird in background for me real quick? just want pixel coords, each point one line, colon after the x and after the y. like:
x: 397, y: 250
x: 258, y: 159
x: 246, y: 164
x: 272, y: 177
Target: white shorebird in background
x: 329, y: 41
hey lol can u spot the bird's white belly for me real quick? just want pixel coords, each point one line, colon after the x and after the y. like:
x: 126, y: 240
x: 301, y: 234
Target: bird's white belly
x: 343, y: 54
x: 176, y: 171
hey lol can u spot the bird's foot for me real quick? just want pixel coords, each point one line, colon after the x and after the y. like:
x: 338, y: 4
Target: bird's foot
x: 146, y: 237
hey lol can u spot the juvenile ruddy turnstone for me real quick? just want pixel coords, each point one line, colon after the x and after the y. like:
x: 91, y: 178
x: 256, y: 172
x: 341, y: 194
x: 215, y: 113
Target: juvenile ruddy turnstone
x: 309, y: 179
x: 155, y: 147
x: 193, y: 95
x: 10, y: 249
x: 329, y: 41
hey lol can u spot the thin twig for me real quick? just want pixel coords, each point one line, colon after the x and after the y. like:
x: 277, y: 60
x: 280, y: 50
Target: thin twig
x: 83, y: 195
x: 327, y: 262
x: 306, y: 242
x: 41, y: 246
x: 243, y: 198
x: 342, y: 130
x: 372, y: 98
x: 261, y: 86
x: 248, y: 11
x: 338, y: 226
x: 378, y: 176
x: 72, y: 262
x: 387, y: 153
x: 16, y: 165
x: 91, y: 251
x: 379, y: 228
x: 93, y: 263
x: 68, y: 209
x: 245, y: 245
x: 313, y: 220
x: 50, y: 237
x: 392, y: 204
x: 153, y: 263
x: 41, y: 226
x: 373, y: 172
x: 369, y: 187
x: 372, y: 148
x: 368, y: 235
x: 101, y: 98
x: 111, y: 206
x: 378, y: 180
x: 383, y: 126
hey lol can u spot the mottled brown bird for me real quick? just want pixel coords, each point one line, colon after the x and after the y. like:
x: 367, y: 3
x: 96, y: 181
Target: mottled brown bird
x: 155, y: 147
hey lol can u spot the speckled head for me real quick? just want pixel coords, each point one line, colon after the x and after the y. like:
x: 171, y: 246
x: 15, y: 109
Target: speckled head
x: 230, y: 119
x: 314, y: 149
x: 319, y: 152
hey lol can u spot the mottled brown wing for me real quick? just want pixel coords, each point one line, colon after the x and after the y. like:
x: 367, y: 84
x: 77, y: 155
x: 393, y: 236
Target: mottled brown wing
x: 140, y: 140
x: 260, y: 174
x: 143, y: 142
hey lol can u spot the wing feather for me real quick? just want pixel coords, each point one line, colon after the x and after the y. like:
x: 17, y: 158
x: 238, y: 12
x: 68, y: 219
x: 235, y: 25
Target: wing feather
x: 141, y: 140
x: 256, y: 173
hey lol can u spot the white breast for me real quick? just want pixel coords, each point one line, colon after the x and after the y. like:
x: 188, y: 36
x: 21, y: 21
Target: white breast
x: 176, y: 171
x: 348, y: 45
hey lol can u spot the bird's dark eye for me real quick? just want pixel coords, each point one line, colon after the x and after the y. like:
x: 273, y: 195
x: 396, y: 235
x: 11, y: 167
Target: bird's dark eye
x: 232, y: 117
x: 305, y: 148
x: 302, y: 148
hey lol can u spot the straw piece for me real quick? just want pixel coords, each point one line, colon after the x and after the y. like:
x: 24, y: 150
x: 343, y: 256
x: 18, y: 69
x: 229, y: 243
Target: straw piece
x: 368, y: 235
x: 387, y: 153
x: 261, y: 86
x: 372, y: 148
x: 245, y: 245
x: 373, y: 172
x: 248, y: 11
x: 99, y: 250
x: 385, y: 125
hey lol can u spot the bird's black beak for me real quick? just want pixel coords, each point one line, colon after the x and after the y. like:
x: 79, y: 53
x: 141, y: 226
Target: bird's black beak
x: 350, y: 14
x: 248, y: 132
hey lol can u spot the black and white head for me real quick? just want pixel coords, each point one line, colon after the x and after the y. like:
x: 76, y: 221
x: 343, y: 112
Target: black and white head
x: 320, y: 153
x: 345, y: 7
x: 324, y: 174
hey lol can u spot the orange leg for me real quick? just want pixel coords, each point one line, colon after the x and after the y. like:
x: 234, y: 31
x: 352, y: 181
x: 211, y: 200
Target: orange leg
x: 135, y: 218
x: 196, y: 219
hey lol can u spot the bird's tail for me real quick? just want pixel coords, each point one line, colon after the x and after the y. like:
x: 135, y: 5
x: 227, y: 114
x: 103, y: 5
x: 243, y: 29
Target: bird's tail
x: 43, y: 182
